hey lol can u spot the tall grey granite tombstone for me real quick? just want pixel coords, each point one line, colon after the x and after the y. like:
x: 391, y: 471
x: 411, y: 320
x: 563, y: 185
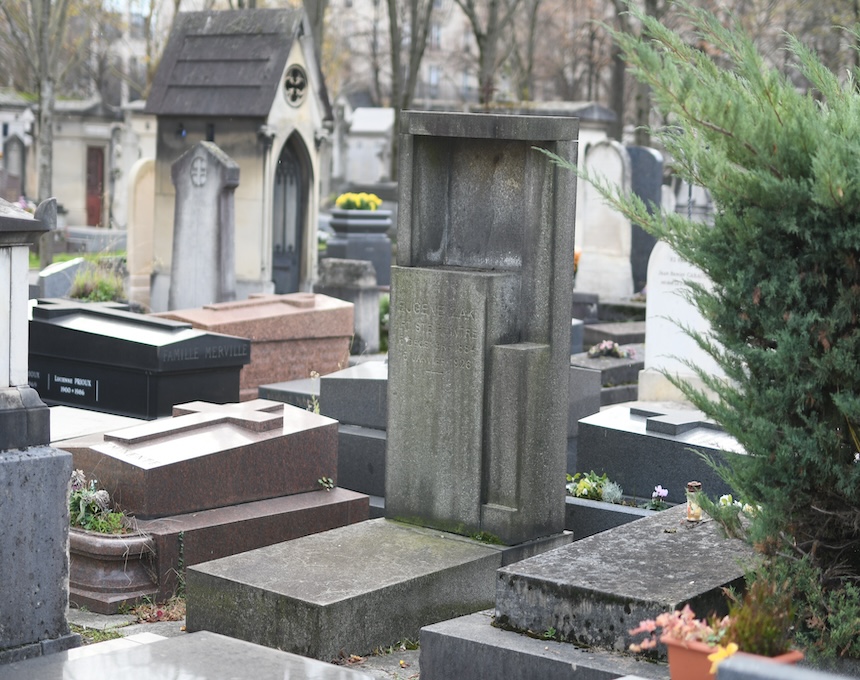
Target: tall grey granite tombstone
x: 203, y: 269
x: 479, y: 348
x: 34, y: 478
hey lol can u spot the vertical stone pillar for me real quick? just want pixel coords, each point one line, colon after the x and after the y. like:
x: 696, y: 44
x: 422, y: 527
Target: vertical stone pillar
x: 479, y: 352
x: 34, y: 478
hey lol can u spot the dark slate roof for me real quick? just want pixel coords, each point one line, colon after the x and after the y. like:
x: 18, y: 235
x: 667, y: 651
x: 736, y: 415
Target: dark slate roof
x: 225, y: 63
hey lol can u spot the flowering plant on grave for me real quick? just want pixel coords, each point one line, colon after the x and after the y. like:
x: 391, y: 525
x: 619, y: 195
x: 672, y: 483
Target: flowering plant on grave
x: 658, y: 499
x: 360, y: 201
x: 90, y: 507
x: 609, y: 348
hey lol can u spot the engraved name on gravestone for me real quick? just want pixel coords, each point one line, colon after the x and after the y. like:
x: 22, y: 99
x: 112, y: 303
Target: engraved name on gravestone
x: 203, y: 265
x: 480, y: 314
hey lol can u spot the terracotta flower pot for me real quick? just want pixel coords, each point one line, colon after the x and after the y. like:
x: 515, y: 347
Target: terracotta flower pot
x: 688, y: 660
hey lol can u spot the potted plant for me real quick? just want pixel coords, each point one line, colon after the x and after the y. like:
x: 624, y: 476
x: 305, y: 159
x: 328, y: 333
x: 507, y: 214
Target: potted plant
x: 759, y: 624
x: 359, y: 213
x: 110, y: 561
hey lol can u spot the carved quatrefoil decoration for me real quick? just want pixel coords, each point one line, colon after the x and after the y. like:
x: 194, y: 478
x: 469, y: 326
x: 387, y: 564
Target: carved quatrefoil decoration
x: 295, y: 85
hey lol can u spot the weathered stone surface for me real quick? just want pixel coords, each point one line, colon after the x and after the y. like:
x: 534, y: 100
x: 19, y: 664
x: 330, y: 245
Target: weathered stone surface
x: 292, y: 335
x: 619, y: 442
x: 34, y: 557
x: 348, y: 590
x: 202, y: 656
x: 471, y: 647
x: 255, y: 450
x: 443, y: 323
x: 584, y: 517
x: 361, y: 459
x: 573, y: 591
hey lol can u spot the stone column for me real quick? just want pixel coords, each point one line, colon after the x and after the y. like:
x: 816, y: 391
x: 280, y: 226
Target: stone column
x: 34, y: 478
x: 479, y: 352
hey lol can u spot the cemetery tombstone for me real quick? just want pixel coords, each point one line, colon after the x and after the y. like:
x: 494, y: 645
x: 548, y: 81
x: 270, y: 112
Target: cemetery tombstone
x: 480, y: 325
x: 203, y: 267
x: 34, y: 477
x: 101, y: 357
x: 15, y: 165
x: 355, y: 282
x: 604, y: 267
x: 668, y: 312
x: 646, y: 175
x: 362, y: 235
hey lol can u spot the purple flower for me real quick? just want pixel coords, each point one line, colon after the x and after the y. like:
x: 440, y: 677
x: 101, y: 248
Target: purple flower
x: 660, y: 492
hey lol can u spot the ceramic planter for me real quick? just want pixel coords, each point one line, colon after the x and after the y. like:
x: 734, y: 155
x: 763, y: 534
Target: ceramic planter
x: 688, y: 660
x: 109, y: 570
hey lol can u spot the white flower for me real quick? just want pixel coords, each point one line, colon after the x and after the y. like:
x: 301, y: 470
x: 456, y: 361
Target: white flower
x: 726, y: 500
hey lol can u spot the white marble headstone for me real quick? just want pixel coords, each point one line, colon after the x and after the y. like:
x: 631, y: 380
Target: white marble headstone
x: 667, y: 346
x: 604, y: 266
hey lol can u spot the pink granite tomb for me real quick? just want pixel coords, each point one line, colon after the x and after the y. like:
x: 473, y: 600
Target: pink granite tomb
x: 216, y: 480
x: 291, y: 335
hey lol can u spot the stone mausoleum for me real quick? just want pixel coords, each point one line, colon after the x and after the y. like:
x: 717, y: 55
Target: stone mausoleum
x: 249, y: 82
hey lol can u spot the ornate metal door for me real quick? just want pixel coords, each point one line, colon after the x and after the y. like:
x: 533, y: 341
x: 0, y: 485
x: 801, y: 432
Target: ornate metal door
x: 287, y: 223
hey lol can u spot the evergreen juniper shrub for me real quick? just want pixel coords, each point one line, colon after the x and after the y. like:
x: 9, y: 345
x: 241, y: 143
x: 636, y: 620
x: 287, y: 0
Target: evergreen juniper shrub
x: 783, y: 256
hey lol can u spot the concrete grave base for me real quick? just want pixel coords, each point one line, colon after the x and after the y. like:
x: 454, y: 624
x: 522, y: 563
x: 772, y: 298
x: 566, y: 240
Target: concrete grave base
x: 349, y: 590
x: 594, y: 590
x: 34, y: 502
x: 471, y: 647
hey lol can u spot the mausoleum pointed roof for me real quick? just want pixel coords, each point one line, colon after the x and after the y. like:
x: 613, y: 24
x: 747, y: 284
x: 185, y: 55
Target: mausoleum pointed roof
x: 224, y: 63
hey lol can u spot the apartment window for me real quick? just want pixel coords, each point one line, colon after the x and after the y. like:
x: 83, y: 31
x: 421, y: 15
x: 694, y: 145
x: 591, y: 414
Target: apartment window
x: 435, y: 36
x: 433, y: 80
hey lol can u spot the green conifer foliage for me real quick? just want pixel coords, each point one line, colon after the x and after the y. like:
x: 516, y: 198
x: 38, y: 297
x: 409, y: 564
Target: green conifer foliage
x: 783, y: 253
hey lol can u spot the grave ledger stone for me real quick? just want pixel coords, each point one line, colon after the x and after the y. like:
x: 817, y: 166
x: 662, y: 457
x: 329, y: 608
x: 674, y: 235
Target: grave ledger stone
x: 480, y: 325
x: 99, y: 356
x: 33, y: 476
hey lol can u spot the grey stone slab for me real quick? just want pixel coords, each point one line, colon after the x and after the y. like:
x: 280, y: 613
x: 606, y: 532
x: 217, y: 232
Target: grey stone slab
x: 585, y: 306
x: 471, y: 647
x: 301, y: 393
x: 584, y: 397
x: 622, y: 332
x: 584, y: 517
x: 343, y: 591
x: 202, y: 656
x: 24, y: 418
x: 594, y: 590
x: 617, y: 443
x: 443, y: 322
x: 349, y: 590
x: 357, y: 395
x: 34, y: 556
x: 68, y: 423
x: 621, y: 309
x: 56, y: 279
x: 618, y: 394
x: 361, y: 459
x: 576, y: 332
x: 614, y: 370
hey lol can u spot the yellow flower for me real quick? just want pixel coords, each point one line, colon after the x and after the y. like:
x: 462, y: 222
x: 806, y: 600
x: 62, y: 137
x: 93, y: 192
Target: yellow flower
x: 721, y: 653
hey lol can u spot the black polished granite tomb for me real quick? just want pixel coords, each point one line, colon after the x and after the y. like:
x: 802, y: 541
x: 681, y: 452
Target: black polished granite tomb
x: 101, y: 357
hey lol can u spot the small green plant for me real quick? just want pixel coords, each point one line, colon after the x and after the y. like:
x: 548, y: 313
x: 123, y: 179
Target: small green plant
x: 550, y: 633
x: 657, y: 501
x: 90, y: 507
x: 326, y: 483
x: 612, y: 493
x: 98, y: 285
x: 314, y: 402
x: 384, y: 316
x: 587, y: 485
x: 91, y: 636
x: 761, y: 621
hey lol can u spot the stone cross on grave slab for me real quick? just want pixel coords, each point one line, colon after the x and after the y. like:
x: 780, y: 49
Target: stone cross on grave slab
x: 258, y: 449
x: 203, y: 268
x: 479, y: 353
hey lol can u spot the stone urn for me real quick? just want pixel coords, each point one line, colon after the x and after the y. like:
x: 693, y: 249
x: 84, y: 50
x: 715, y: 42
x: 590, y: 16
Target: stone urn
x: 107, y: 571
